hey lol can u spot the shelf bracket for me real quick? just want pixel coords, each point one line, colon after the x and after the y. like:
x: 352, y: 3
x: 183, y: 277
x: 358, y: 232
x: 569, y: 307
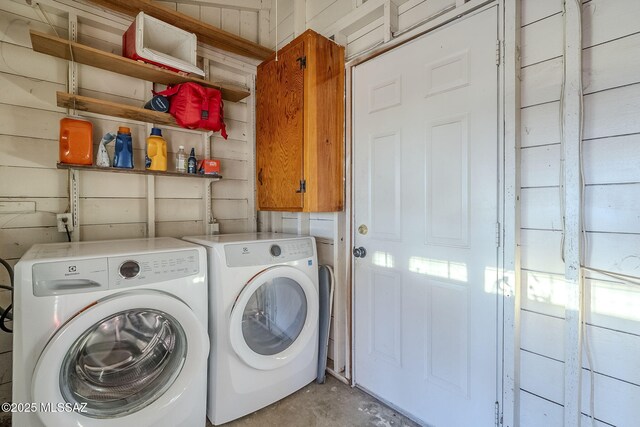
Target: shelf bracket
x: 209, y: 223
x: 151, y: 180
x: 74, y: 202
x: 74, y: 175
x: 73, y: 67
x: 151, y: 206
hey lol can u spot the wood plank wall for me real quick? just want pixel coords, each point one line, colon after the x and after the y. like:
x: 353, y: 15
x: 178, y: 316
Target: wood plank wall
x: 113, y: 206
x: 611, y: 152
x: 611, y: 157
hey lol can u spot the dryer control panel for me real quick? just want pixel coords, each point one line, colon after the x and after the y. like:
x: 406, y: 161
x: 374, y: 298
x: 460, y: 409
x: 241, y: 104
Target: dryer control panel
x: 268, y: 252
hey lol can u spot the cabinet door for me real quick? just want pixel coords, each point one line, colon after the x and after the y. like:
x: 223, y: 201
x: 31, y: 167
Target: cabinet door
x: 279, y: 136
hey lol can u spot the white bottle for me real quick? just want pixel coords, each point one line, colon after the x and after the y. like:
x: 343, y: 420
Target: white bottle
x: 181, y: 160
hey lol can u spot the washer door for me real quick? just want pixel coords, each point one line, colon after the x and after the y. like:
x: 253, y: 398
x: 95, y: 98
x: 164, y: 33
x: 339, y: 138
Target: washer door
x: 274, y: 317
x: 124, y: 356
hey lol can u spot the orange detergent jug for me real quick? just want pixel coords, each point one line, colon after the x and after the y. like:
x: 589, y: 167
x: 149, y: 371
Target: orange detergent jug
x: 76, y: 141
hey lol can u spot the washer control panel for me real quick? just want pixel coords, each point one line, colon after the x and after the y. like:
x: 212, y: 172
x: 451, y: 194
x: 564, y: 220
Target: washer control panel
x: 151, y: 268
x: 100, y: 274
x: 265, y: 253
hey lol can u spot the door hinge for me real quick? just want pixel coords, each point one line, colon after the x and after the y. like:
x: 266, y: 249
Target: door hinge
x: 498, y: 417
x: 497, y: 234
x: 303, y: 62
x: 498, y: 52
x: 303, y: 186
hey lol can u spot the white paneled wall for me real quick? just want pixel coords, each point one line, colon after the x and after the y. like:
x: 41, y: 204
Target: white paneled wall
x: 611, y: 149
x: 112, y: 206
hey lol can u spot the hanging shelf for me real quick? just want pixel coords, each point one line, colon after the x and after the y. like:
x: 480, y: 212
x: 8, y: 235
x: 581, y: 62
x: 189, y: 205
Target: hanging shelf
x: 205, y: 33
x: 108, y: 108
x: 82, y: 54
x: 136, y: 171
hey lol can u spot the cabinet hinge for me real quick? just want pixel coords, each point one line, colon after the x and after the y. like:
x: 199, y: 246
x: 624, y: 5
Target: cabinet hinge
x: 497, y: 234
x: 498, y: 52
x: 303, y: 62
x: 303, y: 186
x: 498, y: 417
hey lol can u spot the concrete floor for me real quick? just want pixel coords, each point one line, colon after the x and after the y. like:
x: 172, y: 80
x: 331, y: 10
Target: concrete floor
x: 332, y: 404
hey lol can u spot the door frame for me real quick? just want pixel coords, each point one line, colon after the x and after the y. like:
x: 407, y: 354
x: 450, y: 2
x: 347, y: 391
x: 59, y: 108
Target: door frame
x: 508, y: 360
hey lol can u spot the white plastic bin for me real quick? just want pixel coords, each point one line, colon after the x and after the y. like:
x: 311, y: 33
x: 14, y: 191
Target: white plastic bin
x: 156, y: 42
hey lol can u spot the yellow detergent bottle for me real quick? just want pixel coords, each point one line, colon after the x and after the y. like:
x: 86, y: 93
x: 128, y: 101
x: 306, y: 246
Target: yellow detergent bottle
x: 156, y: 151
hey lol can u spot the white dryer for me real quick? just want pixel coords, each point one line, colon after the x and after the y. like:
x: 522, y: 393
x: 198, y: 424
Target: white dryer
x: 111, y: 334
x: 263, y: 291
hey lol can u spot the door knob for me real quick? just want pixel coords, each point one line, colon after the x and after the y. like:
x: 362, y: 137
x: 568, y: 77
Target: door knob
x: 359, y: 252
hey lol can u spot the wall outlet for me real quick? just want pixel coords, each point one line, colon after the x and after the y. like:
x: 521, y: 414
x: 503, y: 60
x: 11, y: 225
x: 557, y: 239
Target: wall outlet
x: 213, y: 228
x: 65, y: 218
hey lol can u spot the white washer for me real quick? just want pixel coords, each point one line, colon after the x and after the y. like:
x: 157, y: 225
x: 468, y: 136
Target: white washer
x: 115, y: 328
x: 263, y: 291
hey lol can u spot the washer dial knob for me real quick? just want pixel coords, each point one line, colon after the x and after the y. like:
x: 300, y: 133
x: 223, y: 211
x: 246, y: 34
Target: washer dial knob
x: 129, y: 269
x: 275, y: 250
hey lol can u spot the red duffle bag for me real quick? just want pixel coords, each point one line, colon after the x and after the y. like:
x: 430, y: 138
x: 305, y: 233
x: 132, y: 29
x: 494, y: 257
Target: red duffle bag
x: 196, y: 107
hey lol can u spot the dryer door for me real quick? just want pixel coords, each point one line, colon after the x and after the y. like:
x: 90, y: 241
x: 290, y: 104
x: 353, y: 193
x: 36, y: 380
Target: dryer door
x: 124, y: 356
x: 274, y: 317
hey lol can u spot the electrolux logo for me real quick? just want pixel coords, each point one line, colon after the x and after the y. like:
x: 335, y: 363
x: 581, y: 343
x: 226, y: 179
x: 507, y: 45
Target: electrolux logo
x: 73, y: 271
x: 245, y: 250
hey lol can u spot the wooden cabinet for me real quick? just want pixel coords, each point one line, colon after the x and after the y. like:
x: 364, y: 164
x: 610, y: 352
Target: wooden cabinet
x: 300, y: 127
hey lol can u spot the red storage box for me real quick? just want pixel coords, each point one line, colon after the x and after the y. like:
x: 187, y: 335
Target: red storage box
x: 153, y: 41
x: 209, y: 167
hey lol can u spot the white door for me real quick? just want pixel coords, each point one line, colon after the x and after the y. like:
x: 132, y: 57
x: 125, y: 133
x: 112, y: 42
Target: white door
x: 425, y: 209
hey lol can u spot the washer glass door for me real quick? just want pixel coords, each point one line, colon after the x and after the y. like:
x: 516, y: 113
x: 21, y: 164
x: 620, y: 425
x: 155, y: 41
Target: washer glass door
x: 123, y: 362
x: 274, y: 317
x: 128, y: 356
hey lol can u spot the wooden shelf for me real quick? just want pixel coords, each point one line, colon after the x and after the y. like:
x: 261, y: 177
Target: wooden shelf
x: 136, y: 171
x: 108, y: 108
x: 83, y: 54
x: 204, y: 32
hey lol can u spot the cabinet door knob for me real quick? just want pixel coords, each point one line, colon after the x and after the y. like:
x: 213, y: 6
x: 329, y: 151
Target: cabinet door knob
x: 260, y: 176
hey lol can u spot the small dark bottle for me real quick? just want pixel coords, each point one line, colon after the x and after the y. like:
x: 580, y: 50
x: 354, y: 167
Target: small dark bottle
x: 192, y: 163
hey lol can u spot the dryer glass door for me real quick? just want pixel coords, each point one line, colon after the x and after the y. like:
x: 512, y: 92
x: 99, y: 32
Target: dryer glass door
x: 274, y: 317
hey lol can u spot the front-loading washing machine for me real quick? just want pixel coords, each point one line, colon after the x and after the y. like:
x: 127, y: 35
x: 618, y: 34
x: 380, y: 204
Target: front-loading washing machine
x: 111, y: 333
x: 263, y: 291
